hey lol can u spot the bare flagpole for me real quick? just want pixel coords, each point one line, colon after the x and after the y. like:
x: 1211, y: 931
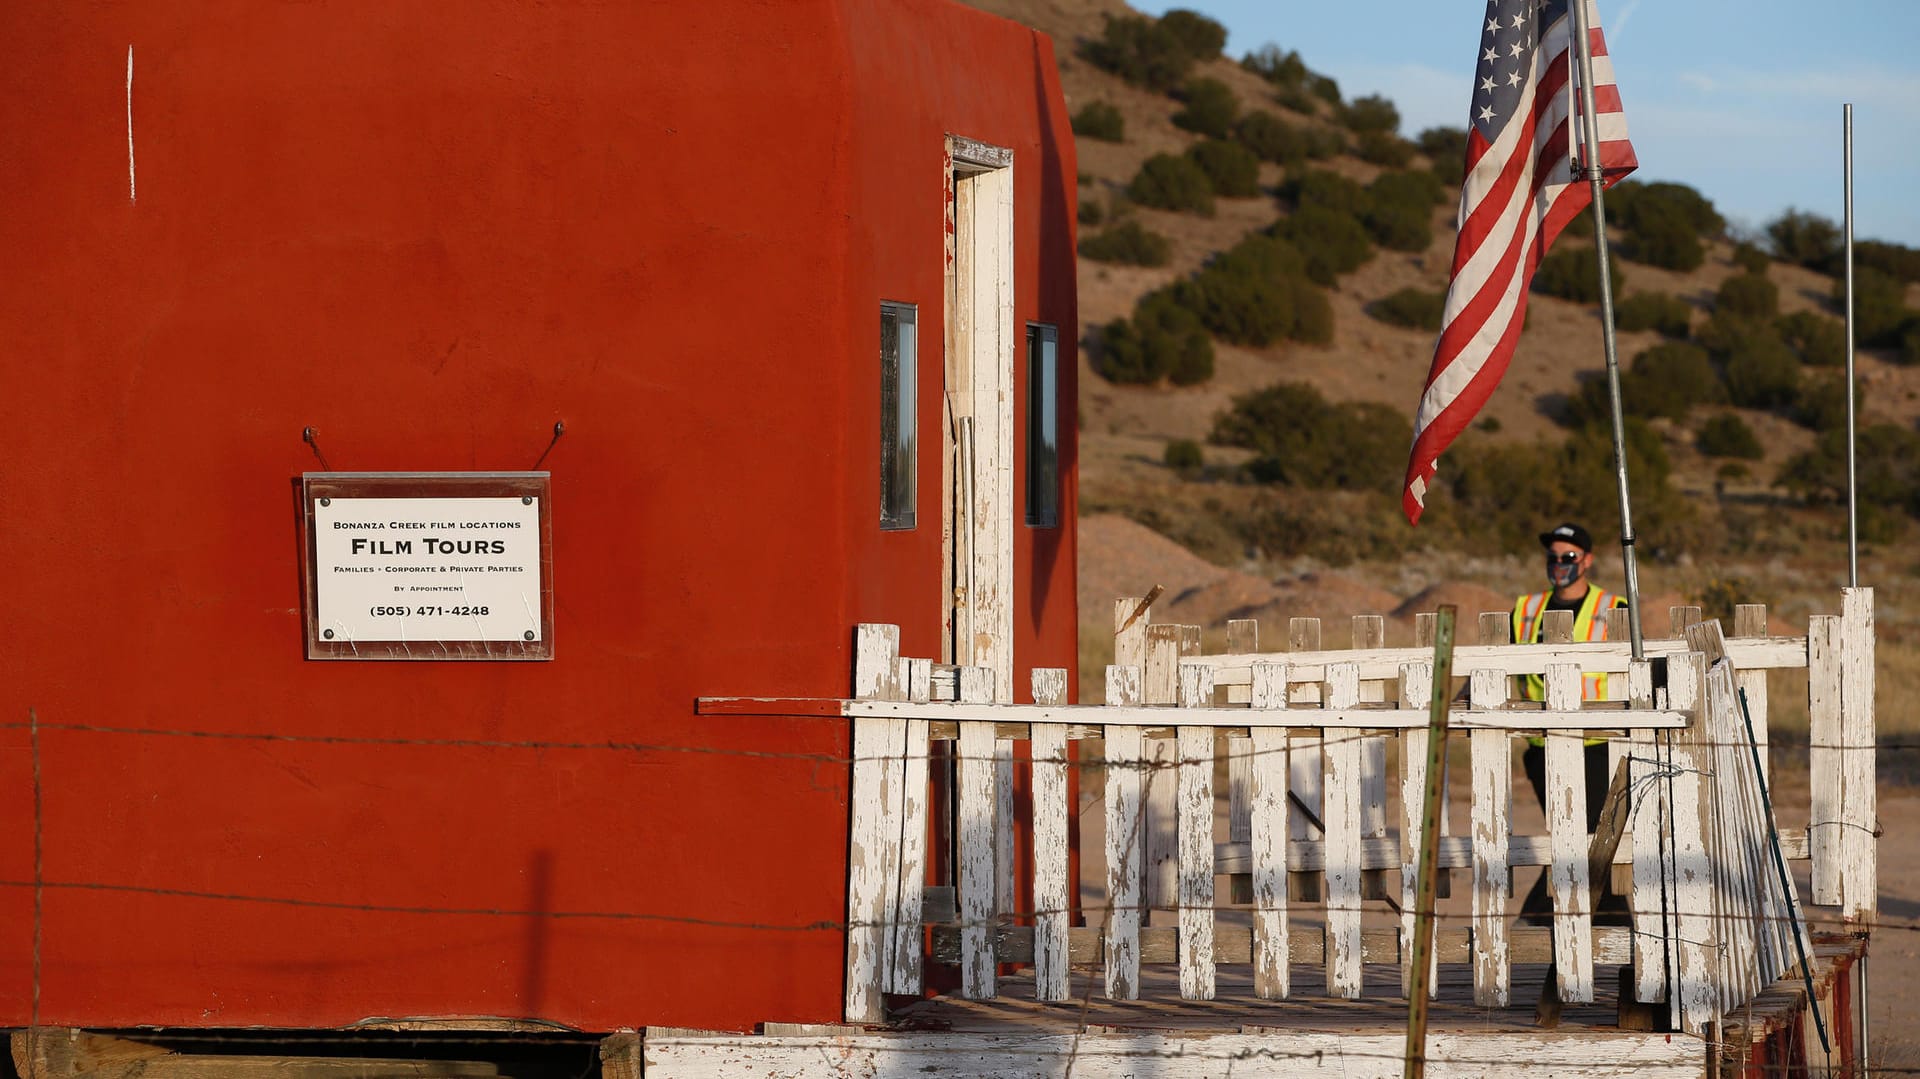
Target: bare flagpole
x: 1590, y: 158
x: 1853, y: 500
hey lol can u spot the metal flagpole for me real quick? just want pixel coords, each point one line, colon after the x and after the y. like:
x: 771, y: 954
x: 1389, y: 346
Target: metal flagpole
x: 1853, y: 501
x: 1590, y: 140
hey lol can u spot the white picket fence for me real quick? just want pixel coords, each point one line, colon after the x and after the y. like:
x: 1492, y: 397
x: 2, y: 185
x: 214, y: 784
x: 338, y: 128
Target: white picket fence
x: 1305, y: 735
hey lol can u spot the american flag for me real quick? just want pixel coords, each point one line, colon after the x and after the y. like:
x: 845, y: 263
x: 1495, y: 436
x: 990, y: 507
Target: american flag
x: 1523, y: 185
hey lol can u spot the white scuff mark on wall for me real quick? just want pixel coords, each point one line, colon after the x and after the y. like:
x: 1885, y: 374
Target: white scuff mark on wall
x: 133, y: 194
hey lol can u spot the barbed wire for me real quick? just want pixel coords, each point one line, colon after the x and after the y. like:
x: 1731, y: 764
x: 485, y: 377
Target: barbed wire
x: 1345, y: 735
x: 1000, y: 920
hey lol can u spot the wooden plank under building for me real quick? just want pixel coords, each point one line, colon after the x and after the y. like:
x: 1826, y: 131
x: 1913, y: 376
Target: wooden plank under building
x: 1110, y: 1054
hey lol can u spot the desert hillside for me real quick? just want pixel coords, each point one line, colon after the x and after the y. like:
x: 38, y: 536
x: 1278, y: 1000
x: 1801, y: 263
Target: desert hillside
x: 1167, y: 499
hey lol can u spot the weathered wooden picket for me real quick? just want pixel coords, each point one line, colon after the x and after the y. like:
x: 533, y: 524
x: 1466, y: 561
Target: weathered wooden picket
x: 1304, y: 736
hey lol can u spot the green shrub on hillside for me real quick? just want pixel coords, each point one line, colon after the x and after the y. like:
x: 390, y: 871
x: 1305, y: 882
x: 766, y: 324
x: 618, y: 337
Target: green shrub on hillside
x: 1312, y: 312
x: 1763, y: 374
x: 1271, y: 138
x: 1413, y: 187
x: 1332, y: 241
x: 1162, y: 340
x: 1413, y: 308
x: 1372, y: 113
x: 1302, y: 440
x: 1668, y: 315
x: 1724, y: 336
x: 1399, y: 227
x: 1750, y: 258
x: 1667, y: 381
x: 1822, y: 405
x: 1887, y: 468
x: 1142, y: 51
x: 1727, y: 435
x: 1200, y: 36
x: 1325, y: 188
x: 1678, y: 374
x: 1230, y: 167
x: 1172, y: 182
x: 1820, y: 341
x: 1446, y: 149
x: 1326, y: 89
x: 1090, y: 212
x: 1398, y: 211
x: 1256, y: 294
x: 1747, y: 296
x: 1894, y: 260
x: 1909, y: 353
x: 1573, y: 273
x: 1806, y: 239
x: 1505, y: 488
x: 1211, y: 108
x: 1100, y: 120
x: 1663, y: 223
x: 1383, y: 149
x: 1183, y: 455
x: 1276, y: 65
x: 1128, y: 243
x: 1659, y: 235
x: 1879, y: 307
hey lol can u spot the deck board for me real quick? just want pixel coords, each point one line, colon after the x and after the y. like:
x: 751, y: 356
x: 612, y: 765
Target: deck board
x: 1236, y: 1006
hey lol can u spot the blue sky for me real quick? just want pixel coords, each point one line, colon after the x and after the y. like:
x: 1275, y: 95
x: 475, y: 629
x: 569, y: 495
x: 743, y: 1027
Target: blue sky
x: 1738, y: 98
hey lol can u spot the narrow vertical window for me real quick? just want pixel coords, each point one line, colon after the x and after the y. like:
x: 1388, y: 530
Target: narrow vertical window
x: 899, y: 434
x: 1043, y: 426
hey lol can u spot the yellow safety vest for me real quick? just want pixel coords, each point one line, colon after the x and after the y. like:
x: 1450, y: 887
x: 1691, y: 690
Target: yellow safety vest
x: 1588, y: 625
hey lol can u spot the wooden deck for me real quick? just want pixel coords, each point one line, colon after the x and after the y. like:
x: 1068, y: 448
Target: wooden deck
x: 1162, y: 1035
x: 1236, y: 1007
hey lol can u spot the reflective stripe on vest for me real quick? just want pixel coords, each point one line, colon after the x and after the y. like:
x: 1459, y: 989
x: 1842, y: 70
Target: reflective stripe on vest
x: 1587, y: 626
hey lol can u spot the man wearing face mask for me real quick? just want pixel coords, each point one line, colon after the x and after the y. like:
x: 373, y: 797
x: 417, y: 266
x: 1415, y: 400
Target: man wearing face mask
x: 1569, y: 550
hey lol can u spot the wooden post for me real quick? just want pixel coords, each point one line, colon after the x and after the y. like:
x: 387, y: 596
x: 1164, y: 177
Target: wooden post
x: 978, y: 887
x: 1825, y: 756
x: 1697, y: 932
x: 1304, y: 761
x: 1859, y: 808
x: 1651, y: 896
x: 1422, y: 765
x: 1343, y: 821
x: 1268, y: 826
x: 1370, y: 631
x: 1243, y: 639
x: 1196, y: 838
x: 873, y: 862
x: 1567, y: 829
x: 1125, y: 844
x: 1052, y: 891
x: 1492, y: 755
x: 1416, y: 967
x: 909, y: 936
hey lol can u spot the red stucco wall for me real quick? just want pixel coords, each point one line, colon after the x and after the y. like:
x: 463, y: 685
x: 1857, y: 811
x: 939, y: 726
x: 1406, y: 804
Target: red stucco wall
x: 431, y: 234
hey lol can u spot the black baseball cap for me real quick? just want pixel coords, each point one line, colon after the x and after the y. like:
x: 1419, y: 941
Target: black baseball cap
x: 1568, y: 533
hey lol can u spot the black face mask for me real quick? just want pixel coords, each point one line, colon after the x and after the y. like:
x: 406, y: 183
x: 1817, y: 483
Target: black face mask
x: 1563, y: 574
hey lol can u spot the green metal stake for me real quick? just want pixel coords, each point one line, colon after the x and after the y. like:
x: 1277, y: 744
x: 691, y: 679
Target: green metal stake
x: 1429, y: 844
x: 1786, y: 882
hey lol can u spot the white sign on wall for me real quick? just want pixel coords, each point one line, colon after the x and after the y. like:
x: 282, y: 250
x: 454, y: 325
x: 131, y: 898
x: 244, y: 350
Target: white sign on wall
x: 428, y: 566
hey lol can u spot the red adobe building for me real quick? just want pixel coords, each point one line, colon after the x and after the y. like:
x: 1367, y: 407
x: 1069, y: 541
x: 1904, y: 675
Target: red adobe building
x: 752, y: 255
